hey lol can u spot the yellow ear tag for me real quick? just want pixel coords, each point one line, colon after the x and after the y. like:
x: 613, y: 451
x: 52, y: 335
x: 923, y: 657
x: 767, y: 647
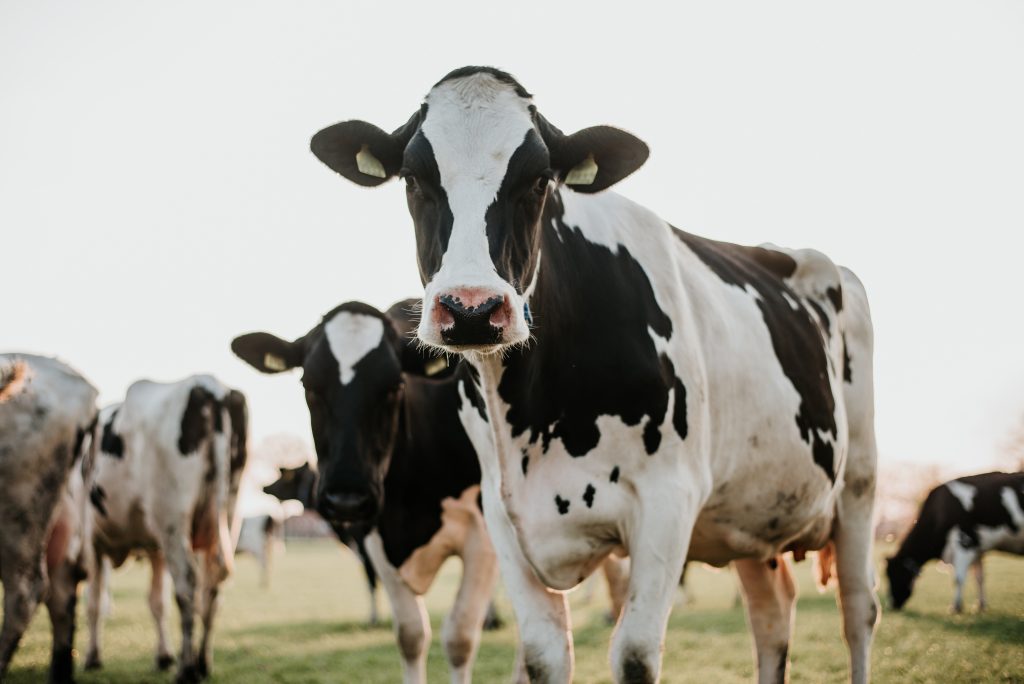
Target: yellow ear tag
x: 436, y: 366
x: 368, y: 164
x: 583, y: 173
x: 274, y: 362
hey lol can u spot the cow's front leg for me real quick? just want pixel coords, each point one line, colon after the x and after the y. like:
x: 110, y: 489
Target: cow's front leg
x: 97, y: 587
x: 979, y: 577
x: 660, y: 535
x: 963, y: 558
x: 164, y: 659
x: 412, y: 624
x: 770, y: 596
x: 542, y: 615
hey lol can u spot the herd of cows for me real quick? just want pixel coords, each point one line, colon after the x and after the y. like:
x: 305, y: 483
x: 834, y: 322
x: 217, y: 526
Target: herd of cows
x: 580, y: 384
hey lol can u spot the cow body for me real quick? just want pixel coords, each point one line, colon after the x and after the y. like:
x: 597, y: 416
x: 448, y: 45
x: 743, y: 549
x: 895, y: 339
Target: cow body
x: 46, y: 410
x: 647, y: 391
x: 959, y: 522
x: 394, y: 457
x: 165, y: 484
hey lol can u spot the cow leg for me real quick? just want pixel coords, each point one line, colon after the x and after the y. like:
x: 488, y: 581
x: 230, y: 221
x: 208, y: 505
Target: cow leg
x: 181, y: 564
x: 979, y: 577
x: 545, y: 653
x: 213, y: 574
x: 963, y: 558
x: 412, y: 625
x: 98, y: 576
x: 657, y: 552
x: 616, y: 573
x: 157, y: 605
x: 61, y: 602
x: 21, y: 571
x: 371, y: 581
x: 463, y: 625
x: 770, y: 597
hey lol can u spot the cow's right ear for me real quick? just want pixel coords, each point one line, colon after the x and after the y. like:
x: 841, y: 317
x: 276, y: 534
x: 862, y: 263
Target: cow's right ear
x: 268, y: 353
x: 361, y: 152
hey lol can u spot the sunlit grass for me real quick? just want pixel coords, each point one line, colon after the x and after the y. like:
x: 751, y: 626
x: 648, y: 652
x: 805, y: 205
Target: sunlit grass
x: 309, y: 627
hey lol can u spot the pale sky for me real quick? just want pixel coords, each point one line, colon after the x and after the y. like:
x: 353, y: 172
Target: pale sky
x: 157, y: 194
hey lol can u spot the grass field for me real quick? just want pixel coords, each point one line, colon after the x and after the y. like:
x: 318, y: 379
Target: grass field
x: 308, y: 627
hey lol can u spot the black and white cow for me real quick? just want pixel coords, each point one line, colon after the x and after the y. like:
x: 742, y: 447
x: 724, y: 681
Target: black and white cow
x: 165, y: 483
x: 299, y: 484
x: 46, y: 413
x: 257, y: 536
x: 959, y: 522
x: 392, y: 452
x: 647, y: 390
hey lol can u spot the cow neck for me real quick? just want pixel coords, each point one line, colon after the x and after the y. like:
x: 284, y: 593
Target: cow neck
x: 920, y: 545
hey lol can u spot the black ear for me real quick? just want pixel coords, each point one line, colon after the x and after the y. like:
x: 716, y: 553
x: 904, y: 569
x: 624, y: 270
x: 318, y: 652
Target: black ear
x: 268, y: 353
x: 416, y: 360
x: 361, y: 152
x: 595, y: 158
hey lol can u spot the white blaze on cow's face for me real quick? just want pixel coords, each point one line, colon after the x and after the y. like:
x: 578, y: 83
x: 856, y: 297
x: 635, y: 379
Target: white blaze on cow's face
x: 351, y: 336
x: 473, y: 127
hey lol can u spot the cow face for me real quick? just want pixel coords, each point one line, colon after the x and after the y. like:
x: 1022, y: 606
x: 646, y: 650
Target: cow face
x: 352, y: 367
x: 478, y: 162
x: 902, y: 573
x: 295, y: 483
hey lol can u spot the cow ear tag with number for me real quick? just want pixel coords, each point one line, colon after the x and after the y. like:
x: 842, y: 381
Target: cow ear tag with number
x: 368, y: 164
x: 583, y: 173
x: 274, y: 362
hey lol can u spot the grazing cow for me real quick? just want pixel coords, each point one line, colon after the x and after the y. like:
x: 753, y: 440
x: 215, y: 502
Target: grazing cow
x: 959, y: 522
x: 392, y: 453
x: 647, y: 390
x: 300, y: 484
x: 46, y: 412
x: 165, y: 483
x: 257, y: 536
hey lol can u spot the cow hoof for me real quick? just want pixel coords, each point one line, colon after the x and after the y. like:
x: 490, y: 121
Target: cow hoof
x: 93, y: 662
x: 164, y: 662
x: 188, y: 675
x: 203, y: 668
x: 493, y: 623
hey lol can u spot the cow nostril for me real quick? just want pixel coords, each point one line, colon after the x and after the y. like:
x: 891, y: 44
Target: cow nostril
x: 345, y: 506
x: 458, y: 309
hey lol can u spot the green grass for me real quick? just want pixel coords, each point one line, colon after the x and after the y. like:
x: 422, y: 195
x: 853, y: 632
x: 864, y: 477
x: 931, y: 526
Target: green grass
x: 309, y: 628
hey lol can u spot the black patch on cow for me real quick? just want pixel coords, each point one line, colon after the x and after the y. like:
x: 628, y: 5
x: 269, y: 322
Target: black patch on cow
x: 614, y: 477
x: 111, y: 442
x: 525, y: 462
x: 238, y: 411
x: 679, y: 421
x: 562, y: 504
x: 634, y: 670
x: 797, y: 339
x: 97, y: 497
x: 835, y: 295
x: 780, y: 669
x: 940, y: 513
x: 847, y: 370
x: 498, y: 75
x: 428, y: 205
x: 773, y: 563
x: 592, y: 354
x: 197, y: 422
x: 588, y: 495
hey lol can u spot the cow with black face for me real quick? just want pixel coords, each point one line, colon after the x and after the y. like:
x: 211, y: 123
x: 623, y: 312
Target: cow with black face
x: 647, y: 391
x: 394, y: 458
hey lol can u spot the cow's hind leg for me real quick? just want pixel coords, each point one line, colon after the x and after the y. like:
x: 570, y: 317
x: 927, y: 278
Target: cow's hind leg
x: 657, y: 551
x: 61, y: 602
x: 211, y: 577
x: 98, y: 571
x: 21, y: 571
x: 412, y: 625
x: 979, y: 577
x: 181, y: 563
x: 157, y: 606
x: 770, y: 597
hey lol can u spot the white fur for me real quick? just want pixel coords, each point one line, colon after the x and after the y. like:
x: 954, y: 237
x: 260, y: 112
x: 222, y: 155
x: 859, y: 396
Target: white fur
x: 964, y: 492
x: 351, y: 336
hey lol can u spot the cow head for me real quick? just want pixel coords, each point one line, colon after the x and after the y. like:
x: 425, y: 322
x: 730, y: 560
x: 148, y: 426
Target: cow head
x: 352, y: 370
x: 295, y: 483
x: 902, y: 573
x: 479, y: 163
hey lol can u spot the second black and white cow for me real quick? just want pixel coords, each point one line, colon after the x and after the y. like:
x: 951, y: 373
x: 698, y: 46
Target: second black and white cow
x: 959, y: 522
x: 46, y: 413
x: 165, y: 483
x: 299, y: 484
x: 647, y: 390
x: 391, y: 451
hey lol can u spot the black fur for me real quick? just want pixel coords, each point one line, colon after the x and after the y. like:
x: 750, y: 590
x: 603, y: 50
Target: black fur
x: 111, y: 442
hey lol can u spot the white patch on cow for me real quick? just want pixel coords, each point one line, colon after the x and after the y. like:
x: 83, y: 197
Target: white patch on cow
x: 792, y: 302
x: 964, y: 492
x: 351, y: 336
x: 474, y: 125
x: 1012, y: 506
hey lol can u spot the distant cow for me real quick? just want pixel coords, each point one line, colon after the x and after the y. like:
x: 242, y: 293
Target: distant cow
x: 46, y: 410
x: 166, y: 483
x: 392, y: 451
x: 258, y: 536
x: 646, y: 391
x: 299, y: 484
x: 959, y: 522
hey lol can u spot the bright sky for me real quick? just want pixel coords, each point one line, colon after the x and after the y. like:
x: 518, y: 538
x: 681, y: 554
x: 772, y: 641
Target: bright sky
x: 157, y: 195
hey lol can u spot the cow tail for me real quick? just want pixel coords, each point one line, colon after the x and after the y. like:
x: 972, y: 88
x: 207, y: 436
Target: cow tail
x: 824, y: 565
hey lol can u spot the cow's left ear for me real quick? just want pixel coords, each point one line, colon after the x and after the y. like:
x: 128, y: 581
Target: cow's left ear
x: 593, y: 159
x: 268, y: 353
x: 362, y: 152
